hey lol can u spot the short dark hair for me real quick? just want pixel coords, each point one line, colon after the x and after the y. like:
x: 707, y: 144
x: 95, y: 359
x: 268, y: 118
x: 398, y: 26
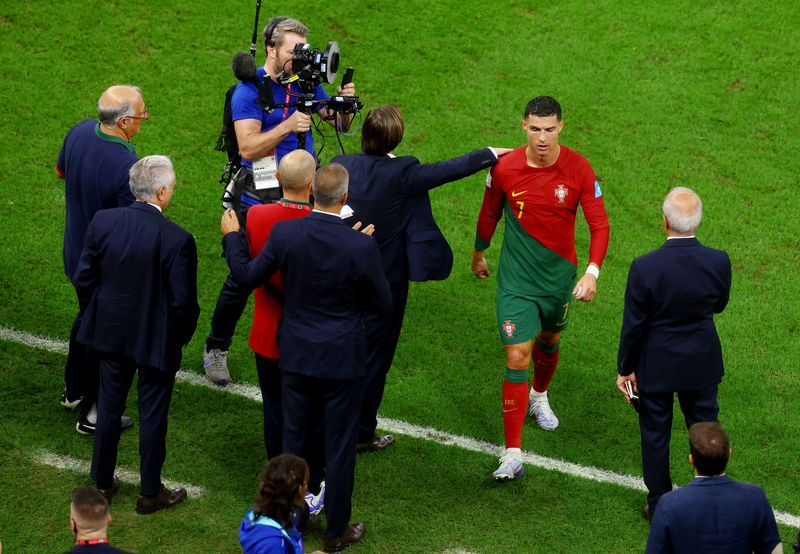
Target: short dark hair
x: 543, y: 106
x: 330, y: 184
x: 710, y: 448
x: 278, y: 487
x: 383, y: 130
x: 89, y: 504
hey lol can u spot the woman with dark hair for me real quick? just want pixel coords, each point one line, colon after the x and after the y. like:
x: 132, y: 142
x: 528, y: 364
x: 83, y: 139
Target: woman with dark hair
x: 270, y: 526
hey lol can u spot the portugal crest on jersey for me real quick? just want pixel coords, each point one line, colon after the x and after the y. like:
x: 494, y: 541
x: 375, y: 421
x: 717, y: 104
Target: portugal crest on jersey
x: 509, y: 328
x: 561, y: 193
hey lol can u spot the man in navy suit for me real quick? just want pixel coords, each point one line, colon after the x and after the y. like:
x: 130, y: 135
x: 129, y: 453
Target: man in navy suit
x: 137, y: 285
x: 668, y: 342
x: 333, y: 281
x: 392, y: 194
x: 713, y: 513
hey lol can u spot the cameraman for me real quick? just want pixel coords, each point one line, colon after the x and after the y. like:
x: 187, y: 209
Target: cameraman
x: 263, y: 138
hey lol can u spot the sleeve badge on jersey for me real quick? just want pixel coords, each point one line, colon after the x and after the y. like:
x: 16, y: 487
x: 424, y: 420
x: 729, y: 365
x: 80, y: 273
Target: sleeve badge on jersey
x: 597, y: 192
x: 509, y: 328
x: 488, y: 180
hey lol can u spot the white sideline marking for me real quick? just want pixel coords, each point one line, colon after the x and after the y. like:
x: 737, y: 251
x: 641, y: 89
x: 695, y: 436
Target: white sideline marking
x: 456, y: 551
x: 125, y: 475
x: 251, y: 392
x: 398, y: 426
x: 34, y: 341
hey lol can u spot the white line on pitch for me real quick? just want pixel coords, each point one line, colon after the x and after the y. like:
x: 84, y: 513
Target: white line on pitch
x: 400, y: 427
x: 125, y: 475
x: 35, y: 341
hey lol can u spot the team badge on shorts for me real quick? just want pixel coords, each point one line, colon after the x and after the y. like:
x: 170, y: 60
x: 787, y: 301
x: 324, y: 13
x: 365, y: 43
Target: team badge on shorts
x: 561, y: 193
x: 509, y: 328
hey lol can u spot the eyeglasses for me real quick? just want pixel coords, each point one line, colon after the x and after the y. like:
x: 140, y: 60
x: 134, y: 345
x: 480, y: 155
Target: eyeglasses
x: 142, y: 116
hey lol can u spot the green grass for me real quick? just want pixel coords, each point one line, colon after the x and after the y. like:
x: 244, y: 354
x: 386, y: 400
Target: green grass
x: 655, y: 95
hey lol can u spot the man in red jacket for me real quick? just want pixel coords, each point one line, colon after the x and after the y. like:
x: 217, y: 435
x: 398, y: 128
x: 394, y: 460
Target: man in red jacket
x: 295, y: 173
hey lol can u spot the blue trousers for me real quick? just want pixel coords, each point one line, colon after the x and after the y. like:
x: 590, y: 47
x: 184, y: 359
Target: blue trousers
x: 655, y: 426
x: 306, y: 402
x: 155, y: 392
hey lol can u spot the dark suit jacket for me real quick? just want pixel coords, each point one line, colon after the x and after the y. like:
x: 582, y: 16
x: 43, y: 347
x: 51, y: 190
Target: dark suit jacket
x: 332, y: 278
x: 668, y: 335
x: 713, y: 515
x: 137, y: 281
x: 392, y: 194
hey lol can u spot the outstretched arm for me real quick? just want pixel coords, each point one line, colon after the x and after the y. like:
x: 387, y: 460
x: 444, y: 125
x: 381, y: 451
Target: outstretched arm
x: 423, y: 177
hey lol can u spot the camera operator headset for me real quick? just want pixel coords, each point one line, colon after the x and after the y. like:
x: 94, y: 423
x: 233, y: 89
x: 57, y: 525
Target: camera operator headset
x: 265, y: 132
x: 265, y: 136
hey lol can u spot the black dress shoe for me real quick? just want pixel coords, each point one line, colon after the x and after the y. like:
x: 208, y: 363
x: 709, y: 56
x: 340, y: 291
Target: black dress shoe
x: 110, y: 491
x: 165, y: 498
x: 353, y: 534
x: 378, y: 442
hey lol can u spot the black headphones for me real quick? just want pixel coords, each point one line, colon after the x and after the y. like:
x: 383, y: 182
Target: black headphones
x: 274, y: 22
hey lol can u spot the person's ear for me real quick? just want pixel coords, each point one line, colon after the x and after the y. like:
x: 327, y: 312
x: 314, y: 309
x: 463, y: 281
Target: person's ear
x: 691, y: 460
x: 73, y: 526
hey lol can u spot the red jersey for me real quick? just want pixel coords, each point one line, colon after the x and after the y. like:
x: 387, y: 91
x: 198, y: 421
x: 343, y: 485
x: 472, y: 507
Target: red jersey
x: 268, y: 310
x: 544, y: 201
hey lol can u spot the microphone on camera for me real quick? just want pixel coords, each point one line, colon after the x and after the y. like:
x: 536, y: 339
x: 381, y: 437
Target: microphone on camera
x: 244, y: 67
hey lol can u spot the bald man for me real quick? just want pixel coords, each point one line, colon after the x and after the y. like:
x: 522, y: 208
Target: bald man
x: 669, y: 343
x: 89, y: 520
x: 94, y: 163
x: 295, y: 174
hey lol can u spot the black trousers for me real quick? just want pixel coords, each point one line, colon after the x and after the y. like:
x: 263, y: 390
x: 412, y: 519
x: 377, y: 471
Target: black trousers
x: 155, y: 392
x: 82, y: 370
x: 655, y: 425
x: 231, y: 302
x: 307, y: 401
x: 382, y: 337
x: 269, y: 381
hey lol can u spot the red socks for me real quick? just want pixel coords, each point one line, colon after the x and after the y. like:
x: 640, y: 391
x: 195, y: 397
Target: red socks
x: 545, y: 359
x: 515, y: 405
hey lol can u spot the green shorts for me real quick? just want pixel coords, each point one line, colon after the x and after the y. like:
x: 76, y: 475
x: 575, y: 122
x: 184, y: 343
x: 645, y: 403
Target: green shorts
x: 520, y: 318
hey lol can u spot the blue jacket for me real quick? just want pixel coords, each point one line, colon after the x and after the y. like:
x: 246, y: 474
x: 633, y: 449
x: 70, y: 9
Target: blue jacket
x: 713, y: 515
x: 333, y: 279
x: 264, y: 535
x: 137, y: 283
x: 392, y: 194
x: 668, y: 336
x: 95, y: 168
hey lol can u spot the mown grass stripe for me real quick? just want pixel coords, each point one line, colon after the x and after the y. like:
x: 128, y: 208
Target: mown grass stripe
x: 397, y: 426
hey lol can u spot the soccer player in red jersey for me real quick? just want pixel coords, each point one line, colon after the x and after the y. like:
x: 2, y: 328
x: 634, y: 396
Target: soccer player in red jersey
x: 538, y: 187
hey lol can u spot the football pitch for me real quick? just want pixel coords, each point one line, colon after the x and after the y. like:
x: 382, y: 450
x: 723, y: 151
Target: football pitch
x: 655, y: 95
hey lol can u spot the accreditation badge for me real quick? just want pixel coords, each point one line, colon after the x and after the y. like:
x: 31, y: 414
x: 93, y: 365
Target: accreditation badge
x: 264, y: 172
